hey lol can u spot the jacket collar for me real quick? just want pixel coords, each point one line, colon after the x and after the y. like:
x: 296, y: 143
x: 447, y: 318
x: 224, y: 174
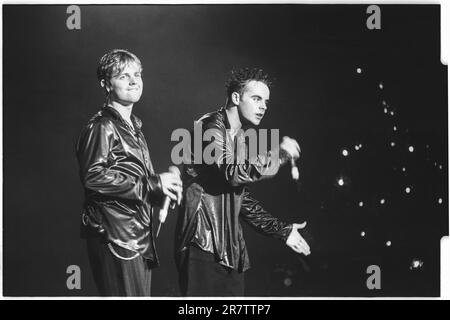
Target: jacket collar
x: 116, y: 115
x: 223, y: 113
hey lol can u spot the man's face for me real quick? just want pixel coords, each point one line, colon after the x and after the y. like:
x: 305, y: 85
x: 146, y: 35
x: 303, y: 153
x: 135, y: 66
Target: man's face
x: 253, y: 102
x: 126, y: 86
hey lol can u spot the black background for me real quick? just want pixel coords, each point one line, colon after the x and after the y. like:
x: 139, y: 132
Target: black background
x: 50, y: 91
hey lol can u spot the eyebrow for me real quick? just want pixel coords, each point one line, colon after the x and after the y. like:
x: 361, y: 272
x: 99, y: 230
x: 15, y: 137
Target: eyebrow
x: 126, y: 73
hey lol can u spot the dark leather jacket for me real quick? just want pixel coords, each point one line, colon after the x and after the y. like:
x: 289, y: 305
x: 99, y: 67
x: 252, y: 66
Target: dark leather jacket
x: 119, y: 182
x: 216, y: 195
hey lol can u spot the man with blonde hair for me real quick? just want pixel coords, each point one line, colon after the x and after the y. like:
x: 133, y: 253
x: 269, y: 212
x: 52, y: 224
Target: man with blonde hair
x: 121, y: 187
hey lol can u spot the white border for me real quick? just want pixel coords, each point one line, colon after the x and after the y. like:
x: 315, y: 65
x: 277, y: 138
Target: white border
x: 445, y: 47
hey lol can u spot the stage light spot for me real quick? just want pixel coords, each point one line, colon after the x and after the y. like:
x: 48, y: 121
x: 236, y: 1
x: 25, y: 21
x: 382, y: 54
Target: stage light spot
x: 395, y: 128
x: 392, y: 144
x: 361, y: 203
x: 341, y: 182
x: 408, y: 190
x: 440, y: 200
x: 381, y: 85
x: 440, y: 167
x: 392, y: 113
x: 385, y: 110
x: 388, y: 243
x: 287, y: 282
x: 382, y: 201
x: 404, y: 169
x: 345, y: 152
x: 384, y: 103
x: 363, y: 234
x: 359, y: 70
x: 411, y: 149
x: 415, y: 264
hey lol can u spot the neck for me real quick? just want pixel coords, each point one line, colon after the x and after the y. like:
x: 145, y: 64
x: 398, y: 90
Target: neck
x: 233, y: 117
x: 124, y: 111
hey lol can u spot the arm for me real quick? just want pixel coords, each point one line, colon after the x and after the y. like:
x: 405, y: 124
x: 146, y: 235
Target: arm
x: 233, y: 165
x: 261, y: 220
x: 267, y: 224
x: 111, y: 177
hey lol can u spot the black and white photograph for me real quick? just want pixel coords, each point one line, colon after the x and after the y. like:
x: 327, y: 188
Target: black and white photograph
x: 216, y: 150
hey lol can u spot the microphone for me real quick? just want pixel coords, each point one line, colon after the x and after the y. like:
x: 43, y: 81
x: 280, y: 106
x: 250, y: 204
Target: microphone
x: 165, y: 207
x: 294, y: 170
x: 295, y: 174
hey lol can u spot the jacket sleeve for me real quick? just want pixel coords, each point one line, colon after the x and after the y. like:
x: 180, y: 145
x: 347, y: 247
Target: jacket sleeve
x: 101, y: 173
x: 233, y: 165
x: 261, y: 220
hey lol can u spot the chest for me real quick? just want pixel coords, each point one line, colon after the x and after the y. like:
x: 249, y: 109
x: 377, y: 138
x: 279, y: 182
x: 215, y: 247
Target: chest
x: 131, y: 146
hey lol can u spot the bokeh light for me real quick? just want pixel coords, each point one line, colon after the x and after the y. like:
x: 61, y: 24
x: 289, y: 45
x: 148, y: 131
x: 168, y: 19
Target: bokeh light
x: 287, y: 282
x: 416, y: 264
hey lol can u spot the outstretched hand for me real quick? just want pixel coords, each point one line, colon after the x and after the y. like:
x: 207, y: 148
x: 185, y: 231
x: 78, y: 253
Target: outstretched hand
x: 296, y: 242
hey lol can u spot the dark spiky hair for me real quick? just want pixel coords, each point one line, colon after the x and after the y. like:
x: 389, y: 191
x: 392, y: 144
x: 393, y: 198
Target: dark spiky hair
x: 239, y: 78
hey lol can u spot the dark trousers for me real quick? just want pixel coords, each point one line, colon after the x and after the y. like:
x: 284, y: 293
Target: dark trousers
x: 201, y: 275
x: 115, y: 276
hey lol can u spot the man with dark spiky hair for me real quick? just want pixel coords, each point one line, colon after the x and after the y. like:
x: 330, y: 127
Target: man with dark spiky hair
x: 210, y: 252
x: 120, y: 184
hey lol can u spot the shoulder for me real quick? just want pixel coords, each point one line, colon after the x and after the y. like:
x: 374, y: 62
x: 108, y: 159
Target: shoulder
x: 100, y: 123
x: 214, y: 119
x: 101, y: 119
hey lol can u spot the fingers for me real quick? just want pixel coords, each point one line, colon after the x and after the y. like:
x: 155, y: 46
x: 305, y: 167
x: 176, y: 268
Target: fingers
x: 175, y: 192
x: 296, y: 242
x: 298, y: 148
x: 172, y: 196
x: 291, y: 146
x: 174, y: 180
x: 302, y: 247
x: 172, y: 186
x: 298, y: 249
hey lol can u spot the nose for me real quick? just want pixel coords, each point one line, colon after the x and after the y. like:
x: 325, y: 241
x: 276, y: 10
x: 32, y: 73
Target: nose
x: 263, y: 106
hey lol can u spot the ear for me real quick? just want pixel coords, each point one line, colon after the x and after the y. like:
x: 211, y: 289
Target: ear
x: 105, y: 85
x: 235, y: 98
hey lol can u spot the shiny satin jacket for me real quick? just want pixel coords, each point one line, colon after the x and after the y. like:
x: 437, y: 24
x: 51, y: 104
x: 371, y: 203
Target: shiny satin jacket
x: 119, y: 182
x: 216, y: 195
